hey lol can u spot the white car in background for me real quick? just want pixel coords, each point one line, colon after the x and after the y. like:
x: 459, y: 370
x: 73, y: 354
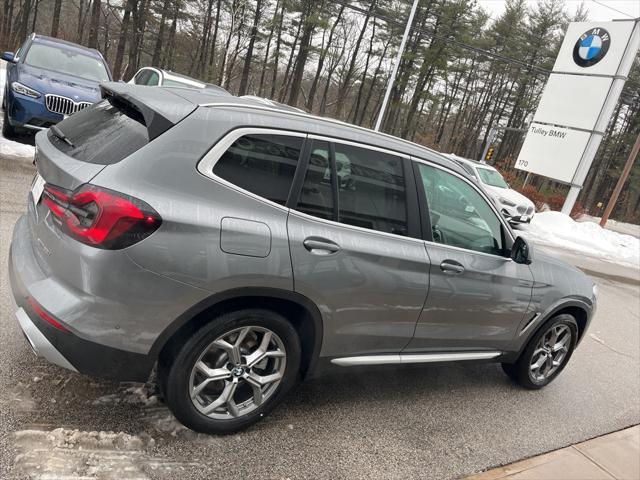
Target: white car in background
x: 514, y: 206
x: 158, y: 77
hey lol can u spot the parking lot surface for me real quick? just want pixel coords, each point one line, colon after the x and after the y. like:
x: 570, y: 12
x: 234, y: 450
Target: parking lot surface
x: 441, y: 421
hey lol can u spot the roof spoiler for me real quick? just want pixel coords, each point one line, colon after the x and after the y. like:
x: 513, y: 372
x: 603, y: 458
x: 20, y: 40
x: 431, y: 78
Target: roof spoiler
x: 160, y: 108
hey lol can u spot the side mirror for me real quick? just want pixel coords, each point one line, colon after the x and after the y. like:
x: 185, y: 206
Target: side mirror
x: 8, y: 57
x: 521, y: 251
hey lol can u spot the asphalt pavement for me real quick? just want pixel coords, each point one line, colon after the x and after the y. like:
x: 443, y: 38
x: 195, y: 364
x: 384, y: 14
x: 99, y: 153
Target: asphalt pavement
x: 436, y: 422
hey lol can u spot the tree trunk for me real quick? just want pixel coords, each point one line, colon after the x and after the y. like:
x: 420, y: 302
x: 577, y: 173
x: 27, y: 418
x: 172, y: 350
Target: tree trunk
x: 303, y: 53
x: 82, y: 16
x: 364, y: 73
x: 157, y: 51
x: 122, y: 40
x: 276, y: 59
x: 374, y: 80
x: 247, y: 59
x: 139, y: 14
x: 268, y: 47
x: 344, y: 87
x: 55, y: 23
x: 35, y: 16
x: 283, y: 88
x: 212, y: 50
x: 321, y: 60
x: 221, y: 74
x: 206, y: 33
x: 94, y: 24
x: 232, y: 62
x: 171, y: 42
x: 24, y: 20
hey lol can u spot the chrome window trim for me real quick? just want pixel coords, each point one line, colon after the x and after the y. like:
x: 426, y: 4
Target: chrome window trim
x: 208, y: 161
x: 360, y: 145
x: 309, y: 116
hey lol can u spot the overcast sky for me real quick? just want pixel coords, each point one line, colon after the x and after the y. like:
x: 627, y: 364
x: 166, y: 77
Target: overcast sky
x: 600, y: 10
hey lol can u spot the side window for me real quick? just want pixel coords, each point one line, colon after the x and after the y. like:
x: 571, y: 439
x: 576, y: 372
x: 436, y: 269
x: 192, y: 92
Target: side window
x: 153, y: 79
x: 460, y: 216
x: 263, y: 164
x: 141, y: 77
x: 316, y: 197
x: 371, y: 189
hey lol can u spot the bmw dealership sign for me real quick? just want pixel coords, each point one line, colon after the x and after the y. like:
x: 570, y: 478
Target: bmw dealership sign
x: 578, y: 100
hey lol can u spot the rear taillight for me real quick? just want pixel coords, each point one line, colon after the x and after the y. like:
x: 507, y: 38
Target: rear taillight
x: 100, y: 217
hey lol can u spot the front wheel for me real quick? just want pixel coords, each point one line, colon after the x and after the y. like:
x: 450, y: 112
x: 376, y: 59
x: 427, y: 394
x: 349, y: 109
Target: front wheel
x: 546, y: 354
x: 7, y: 130
x: 231, y: 372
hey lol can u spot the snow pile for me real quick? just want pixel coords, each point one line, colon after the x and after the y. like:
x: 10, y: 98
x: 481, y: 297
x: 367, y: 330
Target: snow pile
x: 9, y: 147
x: 558, y: 230
x: 620, y: 227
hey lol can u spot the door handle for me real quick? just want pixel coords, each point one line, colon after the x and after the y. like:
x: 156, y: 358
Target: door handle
x: 451, y: 267
x: 320, y: 247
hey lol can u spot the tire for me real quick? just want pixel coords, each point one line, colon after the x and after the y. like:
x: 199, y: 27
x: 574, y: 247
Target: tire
x: 233, y: 376
x: 7, y: 130
x: 538, y: 351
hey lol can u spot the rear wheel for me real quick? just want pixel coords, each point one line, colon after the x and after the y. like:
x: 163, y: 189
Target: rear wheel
x: 546, y: 354
x: 231, y: 372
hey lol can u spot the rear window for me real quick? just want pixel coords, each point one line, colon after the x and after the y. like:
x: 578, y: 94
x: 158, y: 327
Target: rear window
x: 104, y: 133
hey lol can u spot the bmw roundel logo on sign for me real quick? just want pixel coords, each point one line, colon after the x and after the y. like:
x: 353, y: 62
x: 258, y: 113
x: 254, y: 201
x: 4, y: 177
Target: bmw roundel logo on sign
x: 591, y: 47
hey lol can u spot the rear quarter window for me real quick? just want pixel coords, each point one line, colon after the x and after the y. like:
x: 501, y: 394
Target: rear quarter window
x: 263, y: 164
x: 104, y: 133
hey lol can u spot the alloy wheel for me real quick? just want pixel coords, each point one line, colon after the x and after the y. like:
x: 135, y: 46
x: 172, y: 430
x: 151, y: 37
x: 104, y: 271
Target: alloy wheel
x: 550, y: 352
x: 237, y: 372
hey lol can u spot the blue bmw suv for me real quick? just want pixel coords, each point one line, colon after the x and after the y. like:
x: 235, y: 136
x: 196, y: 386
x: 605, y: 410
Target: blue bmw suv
x: 49, y: 79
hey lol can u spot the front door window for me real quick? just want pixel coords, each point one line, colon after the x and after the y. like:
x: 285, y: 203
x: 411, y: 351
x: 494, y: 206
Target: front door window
x: 460, y: 216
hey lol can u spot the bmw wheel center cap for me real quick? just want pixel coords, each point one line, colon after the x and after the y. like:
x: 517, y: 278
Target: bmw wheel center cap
x: 591, y: 47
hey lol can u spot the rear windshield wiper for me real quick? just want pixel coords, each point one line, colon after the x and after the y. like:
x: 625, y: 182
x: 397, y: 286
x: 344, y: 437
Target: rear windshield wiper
x: 60, y: 134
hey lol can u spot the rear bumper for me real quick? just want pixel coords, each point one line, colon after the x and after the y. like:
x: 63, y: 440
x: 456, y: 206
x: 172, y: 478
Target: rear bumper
x: 40, y: 344
x: 63, y: 348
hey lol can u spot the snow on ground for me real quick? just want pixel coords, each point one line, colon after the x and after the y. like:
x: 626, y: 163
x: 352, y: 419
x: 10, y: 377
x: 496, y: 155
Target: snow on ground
x: 65, y: 454
x: 9, y: 147
x: 620, y: 227
x: 555, y: 229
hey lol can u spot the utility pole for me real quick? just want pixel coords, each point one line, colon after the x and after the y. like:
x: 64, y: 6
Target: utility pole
x: 396, y: 65
x: 623, y: 178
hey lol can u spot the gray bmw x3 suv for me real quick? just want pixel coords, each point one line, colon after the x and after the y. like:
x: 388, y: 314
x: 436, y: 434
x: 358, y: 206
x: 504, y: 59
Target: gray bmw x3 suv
x: 234, y: 246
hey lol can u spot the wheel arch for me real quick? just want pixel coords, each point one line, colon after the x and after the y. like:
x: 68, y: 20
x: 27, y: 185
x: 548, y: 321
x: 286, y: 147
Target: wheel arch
x: 298, y: 309
x: 578, y: 309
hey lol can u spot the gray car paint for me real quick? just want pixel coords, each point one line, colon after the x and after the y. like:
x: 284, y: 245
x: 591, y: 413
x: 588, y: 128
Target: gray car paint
x: 370, y: 294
